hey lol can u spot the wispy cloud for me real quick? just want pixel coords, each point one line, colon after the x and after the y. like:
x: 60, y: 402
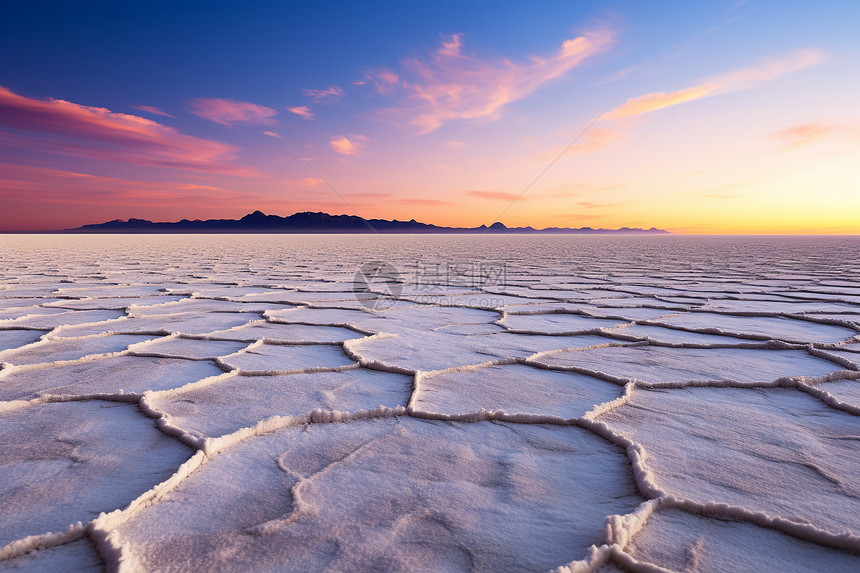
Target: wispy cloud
x: 375, y: 197
x: 804, y: 134
x: 384, y: 80
x: 595, y: 205
x: 497, y: 195
x: 452, y: 46
x: 306, y: 182
x: 324, y: 96
x: 508, y: 197
x: 425, y: 201
x: 230, y: 112
x: 733, y: 81
x: 59, y: 186
x: 584, y: 217
x: 659, y: 100
x: 301, y: 111
x: 99, y: 133
x: 151, y: 109
x: 619, y: 75
x: 346, y: 146
x: 578, y: 190
x: 450, y: 84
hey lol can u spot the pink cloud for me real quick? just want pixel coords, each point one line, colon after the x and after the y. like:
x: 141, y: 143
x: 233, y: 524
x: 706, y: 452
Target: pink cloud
x: 577, y: 190
x: 151, y: 109
x: 230, y: 112
x: 384, y: 80
x: 595, y: 204
x: 369, y: 195
x: 306, y: 182
x: 346, y: 146
x: 452, y: 46
x: 584, y: 217
x: 99, y: 133
x: 301, y: 111
x: 804, y: 134
x: 388, y: 77
x: 120, y: 154
x: 391, y: 199
x: 451, y: 85
x: 326, y: 95
x: 736, y: 80
x: 59, y: 186
x: 496, y: 195
x: 425, y: 201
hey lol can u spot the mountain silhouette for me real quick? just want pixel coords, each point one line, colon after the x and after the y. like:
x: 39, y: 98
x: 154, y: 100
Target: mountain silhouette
x: 310, y: 222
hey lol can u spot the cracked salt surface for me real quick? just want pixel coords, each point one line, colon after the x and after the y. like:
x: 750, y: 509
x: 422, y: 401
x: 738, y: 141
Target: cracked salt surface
x: 776, y: 328
x: 513, y: 388
x: 680, y: 541
x: 70, y: 349
x: 87, y: 457
x: 273, y: 332
x: 230, y: 404
x: 661, y: 365
x: 210, y: 410
x: 396, y: 494
x: 14, y: 339
x: 271, y: 359
x: 777, y: 451
x: 847, y: 391
x: 80, y: 555
x: 107, y: 376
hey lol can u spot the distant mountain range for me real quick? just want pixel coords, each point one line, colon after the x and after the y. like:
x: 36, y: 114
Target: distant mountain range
x: 308, y: 222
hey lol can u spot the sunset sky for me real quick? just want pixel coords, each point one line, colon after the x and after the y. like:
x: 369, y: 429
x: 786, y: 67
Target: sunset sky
x: 706, y: 117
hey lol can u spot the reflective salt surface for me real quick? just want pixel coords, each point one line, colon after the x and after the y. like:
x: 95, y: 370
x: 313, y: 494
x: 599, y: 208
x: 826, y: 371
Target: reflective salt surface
x: 488, y: 403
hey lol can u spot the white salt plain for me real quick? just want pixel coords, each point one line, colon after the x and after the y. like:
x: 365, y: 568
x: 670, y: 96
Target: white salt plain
x: 578, y: 403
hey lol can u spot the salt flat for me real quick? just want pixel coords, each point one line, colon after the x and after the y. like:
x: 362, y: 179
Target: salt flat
x: 536, y: 403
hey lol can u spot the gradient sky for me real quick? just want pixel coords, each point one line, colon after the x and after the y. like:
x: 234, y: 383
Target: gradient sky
x: 706, y: 117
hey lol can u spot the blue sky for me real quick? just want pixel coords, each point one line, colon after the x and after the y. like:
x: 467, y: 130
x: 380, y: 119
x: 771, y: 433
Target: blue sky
x: 441, y: 111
